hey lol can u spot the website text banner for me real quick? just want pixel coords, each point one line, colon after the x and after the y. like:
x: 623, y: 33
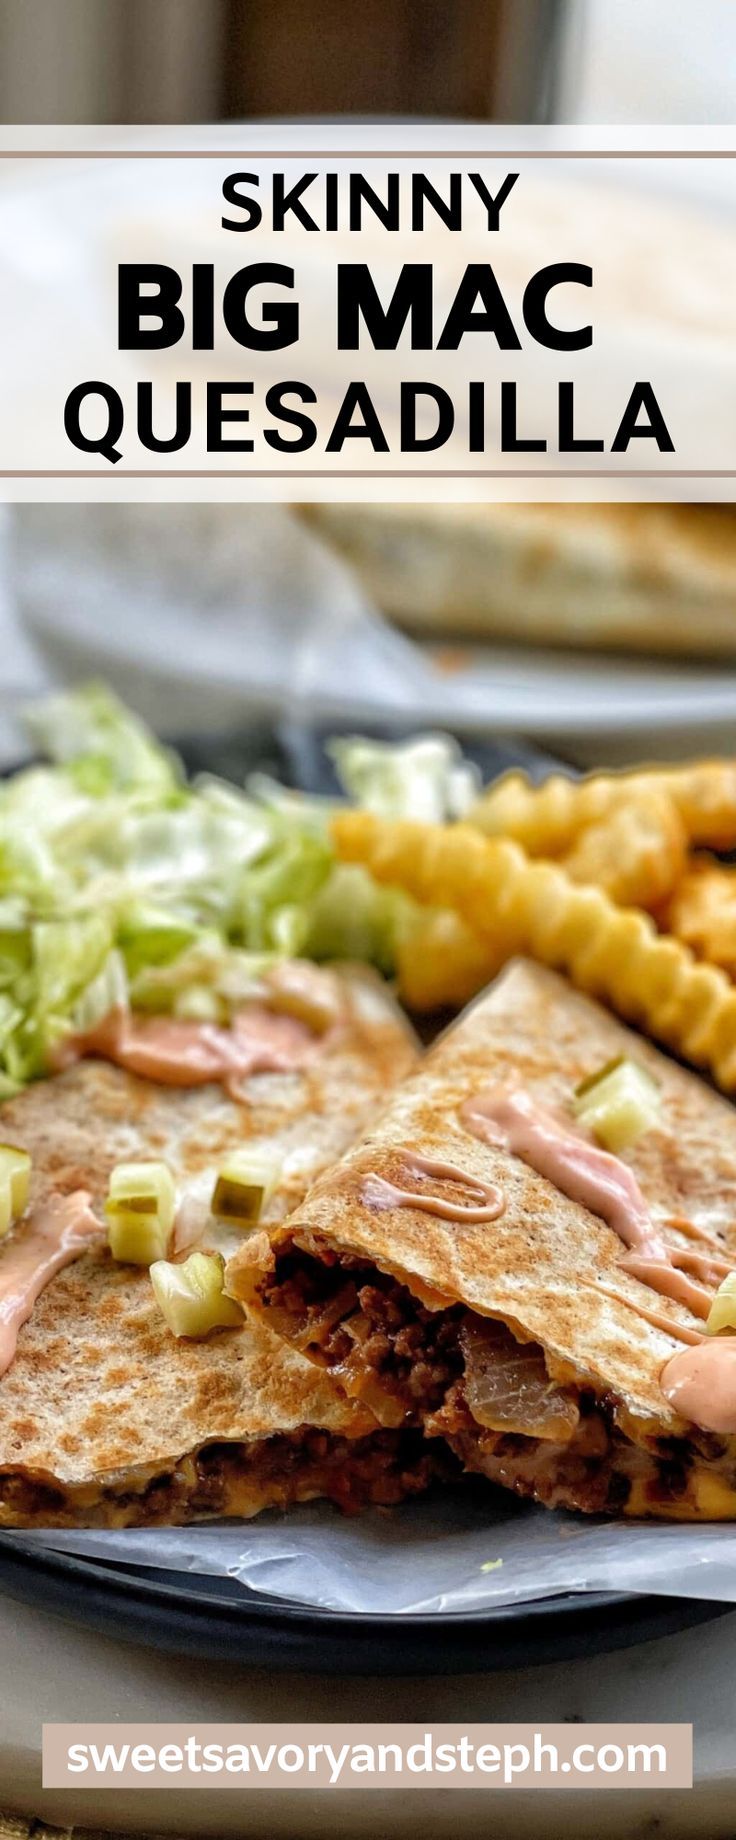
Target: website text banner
x: 367, y: 312
x: 367, y: 1757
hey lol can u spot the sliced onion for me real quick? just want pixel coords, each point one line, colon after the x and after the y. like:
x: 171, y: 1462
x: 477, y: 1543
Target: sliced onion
x: 507, y: 1387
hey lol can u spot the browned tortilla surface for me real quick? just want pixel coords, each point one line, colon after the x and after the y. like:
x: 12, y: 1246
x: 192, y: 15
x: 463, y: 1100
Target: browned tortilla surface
x: 657, y: 578
x: 101, y: 1396
x: 542, y: 1265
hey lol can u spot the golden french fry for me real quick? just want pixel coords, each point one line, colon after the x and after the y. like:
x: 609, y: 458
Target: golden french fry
x: 636, y: 853
x: 533, y: 907
x: 547, y: 819
x: 441, y: 962
x: 704, y: 792
x: 703, y: 912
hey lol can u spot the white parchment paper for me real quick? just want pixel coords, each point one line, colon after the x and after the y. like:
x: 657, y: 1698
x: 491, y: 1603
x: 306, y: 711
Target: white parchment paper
x: 465, y: 1551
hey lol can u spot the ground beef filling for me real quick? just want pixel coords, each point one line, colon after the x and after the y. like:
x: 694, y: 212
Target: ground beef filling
x: 238, y: 1479
x: 381, y: 1343
x: 594, y: 1471
x: 407, y: 1363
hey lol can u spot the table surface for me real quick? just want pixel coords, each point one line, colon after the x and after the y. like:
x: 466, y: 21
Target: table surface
x: 59, y: 1672
x: 16, y: 1827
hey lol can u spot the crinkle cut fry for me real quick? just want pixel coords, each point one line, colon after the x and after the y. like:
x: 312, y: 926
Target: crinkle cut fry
x: 441, y: 962
x: 548, y: 819
x: 637, y: 852
x: 522, y: 906
x: 703, y: 911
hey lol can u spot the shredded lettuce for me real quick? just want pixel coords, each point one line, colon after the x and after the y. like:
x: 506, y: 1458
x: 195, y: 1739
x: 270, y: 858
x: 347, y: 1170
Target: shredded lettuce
x: 352, y: 917
x: 122, y: 883
x: 427, y: 779
x: 101, y: 743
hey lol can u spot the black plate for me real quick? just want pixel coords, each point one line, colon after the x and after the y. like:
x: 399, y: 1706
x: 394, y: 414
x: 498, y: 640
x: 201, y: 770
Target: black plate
x: 217, y: 1620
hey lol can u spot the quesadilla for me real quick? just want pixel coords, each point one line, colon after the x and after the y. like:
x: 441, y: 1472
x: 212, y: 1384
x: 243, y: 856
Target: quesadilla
x: 644, y: 578
x: 106, y: 1418
x: 479, y: 1266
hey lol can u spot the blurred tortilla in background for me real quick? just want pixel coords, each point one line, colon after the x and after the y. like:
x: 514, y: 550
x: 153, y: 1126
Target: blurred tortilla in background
x: 655, y: 577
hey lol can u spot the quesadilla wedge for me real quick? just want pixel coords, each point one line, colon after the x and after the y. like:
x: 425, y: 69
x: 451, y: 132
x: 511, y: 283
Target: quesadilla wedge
x: 481, y: 1266
x: 640, y: 578
x: 106, y: 1418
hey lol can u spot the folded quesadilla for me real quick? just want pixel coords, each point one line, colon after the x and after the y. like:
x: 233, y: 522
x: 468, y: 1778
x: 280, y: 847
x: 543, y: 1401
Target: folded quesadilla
x: 644, y: 578
x: 479, y: 1265
x: 106, y: 1418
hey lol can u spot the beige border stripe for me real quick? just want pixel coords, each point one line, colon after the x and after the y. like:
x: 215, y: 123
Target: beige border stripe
x: 219, y: 472
x: 363, y: 153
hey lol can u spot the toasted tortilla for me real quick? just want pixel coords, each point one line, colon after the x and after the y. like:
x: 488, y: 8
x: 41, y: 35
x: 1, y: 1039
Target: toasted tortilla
x: 644, y: 578
x: 435, y: 1312
x: 106, y: 1418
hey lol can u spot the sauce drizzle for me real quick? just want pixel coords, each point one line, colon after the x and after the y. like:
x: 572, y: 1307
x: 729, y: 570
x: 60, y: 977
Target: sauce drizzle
x: 173, y: 1052
x: 511, y: 1120
x: 378, y: 1193
x: 54, y: 1234
x: 701, y: 1383
x: 662, y: 1275
x: 679, y: 1331
x: 699, y: 1380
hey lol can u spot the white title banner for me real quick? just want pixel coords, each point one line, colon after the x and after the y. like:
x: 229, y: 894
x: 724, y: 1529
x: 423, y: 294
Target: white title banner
x: 366, y: 312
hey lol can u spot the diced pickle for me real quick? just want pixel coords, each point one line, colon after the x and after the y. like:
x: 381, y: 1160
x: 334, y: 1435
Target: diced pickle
x: 722, y: 1314
x: 618, y: 1105
x: 15, y: 1180
x: 586, y: 1085
x: 244, y: 1188
x: 135, y: 1238
x: 143, y: 1188
x: 191, y: 1298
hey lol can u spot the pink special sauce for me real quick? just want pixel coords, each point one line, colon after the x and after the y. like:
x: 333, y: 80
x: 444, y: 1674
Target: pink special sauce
x: 511, y: 1120
x: 173, y: 1052
x: 700, y: 1383
x: 678, y: 1330
x: 54, y: 1234
x: 377, y: 1193
x: 699, y: 1380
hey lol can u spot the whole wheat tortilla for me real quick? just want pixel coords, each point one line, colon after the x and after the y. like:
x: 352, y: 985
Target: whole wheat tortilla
x: 104, y: 1413
x: 656, y: 577
x: 546, y: 1268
